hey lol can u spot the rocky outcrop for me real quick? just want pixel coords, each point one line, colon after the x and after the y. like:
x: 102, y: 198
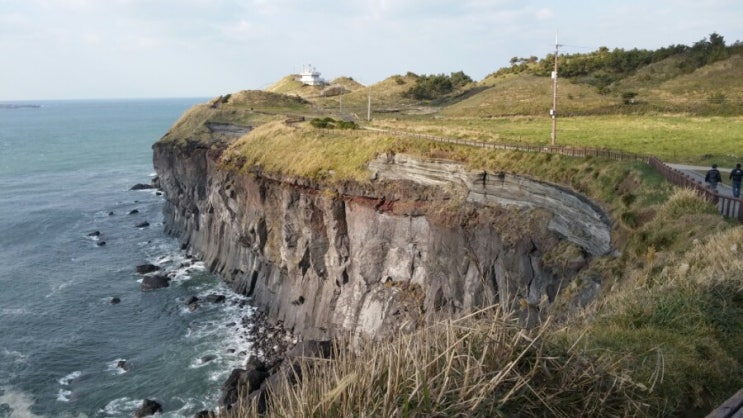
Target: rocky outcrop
x: 423, y: 239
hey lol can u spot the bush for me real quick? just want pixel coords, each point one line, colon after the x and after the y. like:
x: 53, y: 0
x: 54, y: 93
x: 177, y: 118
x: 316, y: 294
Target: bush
x: 330, y: 123
x: 429, y: 87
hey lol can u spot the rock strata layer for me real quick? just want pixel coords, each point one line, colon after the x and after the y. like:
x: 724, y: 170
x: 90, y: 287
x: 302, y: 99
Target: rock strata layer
x: 423, y: 239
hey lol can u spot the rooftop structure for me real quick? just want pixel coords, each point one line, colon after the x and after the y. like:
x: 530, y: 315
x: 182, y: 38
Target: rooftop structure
x: 311, y: 76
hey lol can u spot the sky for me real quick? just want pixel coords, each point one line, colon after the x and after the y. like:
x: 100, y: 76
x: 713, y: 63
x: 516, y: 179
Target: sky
x: 97, y: 49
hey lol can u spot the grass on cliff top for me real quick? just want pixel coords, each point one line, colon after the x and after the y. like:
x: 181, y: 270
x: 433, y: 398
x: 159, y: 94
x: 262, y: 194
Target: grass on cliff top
x: 678, y: 138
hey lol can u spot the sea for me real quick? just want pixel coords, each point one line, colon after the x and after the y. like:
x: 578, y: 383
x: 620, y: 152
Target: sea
x: 71, y: 236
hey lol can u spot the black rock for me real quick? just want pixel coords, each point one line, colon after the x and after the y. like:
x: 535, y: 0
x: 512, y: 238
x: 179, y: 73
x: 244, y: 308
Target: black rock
x: 191, y: 299
x: 110, y: 213
x: 216, y: 298
x: 95, y: 234
x: 207, y: 358
x: 159, y: 193
x: 141, y: 186
x: 205, y: 414
x: 134, y: 211
x: 122, y: 364
x: 147, y: 268
x: 149, y: 407
x: 154, y: 282
x: 100, y: 243
x: 144, y: 224
x: 115, y: 300
x: 241, y: 382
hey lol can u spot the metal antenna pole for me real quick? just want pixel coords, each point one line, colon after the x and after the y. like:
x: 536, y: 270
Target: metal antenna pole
x: 553, y: 112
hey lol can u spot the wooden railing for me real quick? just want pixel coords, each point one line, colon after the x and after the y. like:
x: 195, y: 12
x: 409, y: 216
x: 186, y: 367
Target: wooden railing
x: 728, y: 206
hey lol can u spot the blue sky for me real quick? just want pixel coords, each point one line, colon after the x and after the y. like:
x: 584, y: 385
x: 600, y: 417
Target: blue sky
x: 78, y: 49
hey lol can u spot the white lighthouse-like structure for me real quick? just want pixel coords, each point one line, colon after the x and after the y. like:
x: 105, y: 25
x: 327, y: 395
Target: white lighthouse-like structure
x: 310, y: 76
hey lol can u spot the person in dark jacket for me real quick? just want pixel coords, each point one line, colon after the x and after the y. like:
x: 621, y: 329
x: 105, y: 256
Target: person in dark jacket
x: 713, y: 177
x: 736, y: 176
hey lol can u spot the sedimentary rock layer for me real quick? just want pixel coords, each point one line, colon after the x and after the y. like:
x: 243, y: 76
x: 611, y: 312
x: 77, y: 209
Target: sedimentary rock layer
x: 422, y: 239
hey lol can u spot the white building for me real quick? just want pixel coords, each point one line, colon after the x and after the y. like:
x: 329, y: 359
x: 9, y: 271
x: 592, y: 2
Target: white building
x: 311, y: 76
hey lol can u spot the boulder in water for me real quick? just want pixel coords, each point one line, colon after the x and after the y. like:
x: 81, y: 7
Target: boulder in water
x: 154, y: 282
x: 207, y: 358
x: 114, y: 300
x: 147, y: 268
x: 123, y: 365
x: 95, y: 234
x: 144, y: 224
x: 100, y: 243
x: 134, y: 211
x: 141, y: 186
x: 148, y: 407
x: 216, y: 298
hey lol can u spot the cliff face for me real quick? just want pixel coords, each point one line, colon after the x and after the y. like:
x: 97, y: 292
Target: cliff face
x: 423, y: 239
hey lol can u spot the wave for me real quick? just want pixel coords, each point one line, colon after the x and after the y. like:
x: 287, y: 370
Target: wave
x: 18, y: 402
x: 65, y: 381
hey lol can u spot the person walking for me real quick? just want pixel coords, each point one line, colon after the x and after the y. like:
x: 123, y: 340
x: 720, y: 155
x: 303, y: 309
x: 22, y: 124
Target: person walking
x: 713, y: 177
x: 736, y: 176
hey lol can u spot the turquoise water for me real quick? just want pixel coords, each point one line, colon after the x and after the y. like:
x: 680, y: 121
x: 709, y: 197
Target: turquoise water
x: 65, y: 171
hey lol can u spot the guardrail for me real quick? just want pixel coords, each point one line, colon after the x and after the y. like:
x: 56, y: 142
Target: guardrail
x: 728, y: 206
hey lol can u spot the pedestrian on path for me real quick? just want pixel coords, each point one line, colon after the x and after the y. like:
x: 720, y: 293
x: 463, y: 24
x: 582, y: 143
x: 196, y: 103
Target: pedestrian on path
x: 713, y: 177
x: 736, y: 176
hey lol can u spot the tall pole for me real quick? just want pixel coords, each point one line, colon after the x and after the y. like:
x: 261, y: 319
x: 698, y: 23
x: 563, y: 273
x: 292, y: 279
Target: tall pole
x: 368, y: 107
x: 553, y: 112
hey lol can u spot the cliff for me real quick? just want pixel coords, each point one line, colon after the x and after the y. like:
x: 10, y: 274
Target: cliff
x: 422, y: 239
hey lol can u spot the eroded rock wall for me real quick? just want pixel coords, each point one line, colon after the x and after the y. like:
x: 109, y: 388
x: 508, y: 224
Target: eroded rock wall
x: 425, y: 239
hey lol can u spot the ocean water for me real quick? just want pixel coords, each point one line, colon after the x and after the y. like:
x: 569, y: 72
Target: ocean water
x: 65, y: 172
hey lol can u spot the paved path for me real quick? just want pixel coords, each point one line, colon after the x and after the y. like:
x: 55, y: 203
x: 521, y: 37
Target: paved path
x: 696, y: 171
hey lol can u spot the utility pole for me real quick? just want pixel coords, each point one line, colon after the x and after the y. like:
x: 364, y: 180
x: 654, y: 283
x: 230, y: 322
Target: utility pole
x: 368, y: 107
x: 553, y: 111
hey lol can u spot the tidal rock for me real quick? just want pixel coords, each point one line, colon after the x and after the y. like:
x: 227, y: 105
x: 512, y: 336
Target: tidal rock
x: 216, y: 298
x: 144, y: 224
x: 114, y: 300
x: 141, y: 186
x: 147, y: 268
x: 134, y: 211
x: 154, y: 282
x: 111, y: 213
x: 95, y: 234
x: 207, y: 358
x: 100, y: 243
x: 148, y: 407
x: 193, y: 306
x: 191, y: 299
x: 123, y: 365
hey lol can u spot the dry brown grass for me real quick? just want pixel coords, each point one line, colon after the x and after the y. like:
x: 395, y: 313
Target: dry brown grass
x: 482, y: 365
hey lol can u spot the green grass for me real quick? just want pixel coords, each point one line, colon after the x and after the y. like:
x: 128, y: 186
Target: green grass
x: 675, y: 138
